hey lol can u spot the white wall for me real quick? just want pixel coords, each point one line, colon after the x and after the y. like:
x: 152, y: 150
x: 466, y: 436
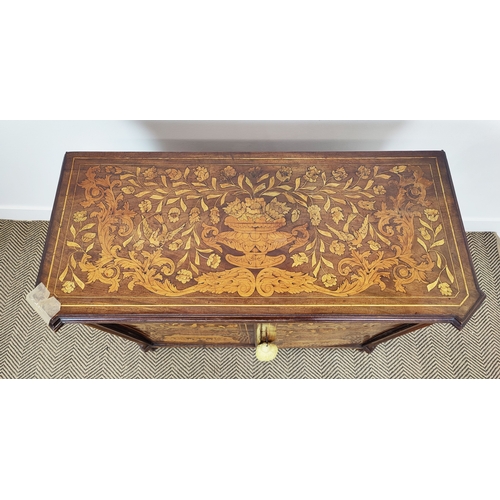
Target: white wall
x: 31, y: 152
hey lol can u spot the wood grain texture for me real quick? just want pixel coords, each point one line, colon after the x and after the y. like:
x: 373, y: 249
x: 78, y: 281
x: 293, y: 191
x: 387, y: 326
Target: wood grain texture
x: 339, y: 334
x: 228, y: 239
x: 170, y: 334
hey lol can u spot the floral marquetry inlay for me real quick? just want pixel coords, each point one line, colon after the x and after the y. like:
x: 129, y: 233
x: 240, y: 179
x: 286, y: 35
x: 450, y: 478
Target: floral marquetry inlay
x: 250, y: 230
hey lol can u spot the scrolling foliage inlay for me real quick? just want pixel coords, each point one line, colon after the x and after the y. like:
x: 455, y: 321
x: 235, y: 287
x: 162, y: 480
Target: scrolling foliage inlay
x: 256, y: 231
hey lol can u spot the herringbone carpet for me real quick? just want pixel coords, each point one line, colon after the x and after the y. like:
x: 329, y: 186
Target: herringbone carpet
x: 28, y: 349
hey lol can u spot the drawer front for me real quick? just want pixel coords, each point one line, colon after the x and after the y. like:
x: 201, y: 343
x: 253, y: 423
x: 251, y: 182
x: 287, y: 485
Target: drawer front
x: 210, y: 334
x: 338, y: 334
x: 306, y: 334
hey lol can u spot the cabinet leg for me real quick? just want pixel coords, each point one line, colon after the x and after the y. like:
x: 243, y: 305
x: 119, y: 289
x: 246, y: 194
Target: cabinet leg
x: 147, y: 348
x: 368, y: 348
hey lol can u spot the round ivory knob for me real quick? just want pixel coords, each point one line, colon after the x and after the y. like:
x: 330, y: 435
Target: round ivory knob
x: 266, y: 352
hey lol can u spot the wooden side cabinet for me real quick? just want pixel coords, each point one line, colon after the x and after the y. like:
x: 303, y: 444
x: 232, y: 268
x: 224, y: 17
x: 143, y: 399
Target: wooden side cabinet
x: 246, y: 249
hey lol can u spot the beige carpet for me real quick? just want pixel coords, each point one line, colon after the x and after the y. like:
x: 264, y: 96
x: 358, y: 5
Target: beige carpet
x: 28, y: 349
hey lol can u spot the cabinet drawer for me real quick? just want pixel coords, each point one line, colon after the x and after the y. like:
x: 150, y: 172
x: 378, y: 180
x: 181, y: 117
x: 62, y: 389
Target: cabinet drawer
x: 171, y: 334
x: 306, y: 334
x: 338, y: 334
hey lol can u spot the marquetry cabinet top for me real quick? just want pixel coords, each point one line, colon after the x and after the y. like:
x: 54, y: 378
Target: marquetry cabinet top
x: 258, y: 236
